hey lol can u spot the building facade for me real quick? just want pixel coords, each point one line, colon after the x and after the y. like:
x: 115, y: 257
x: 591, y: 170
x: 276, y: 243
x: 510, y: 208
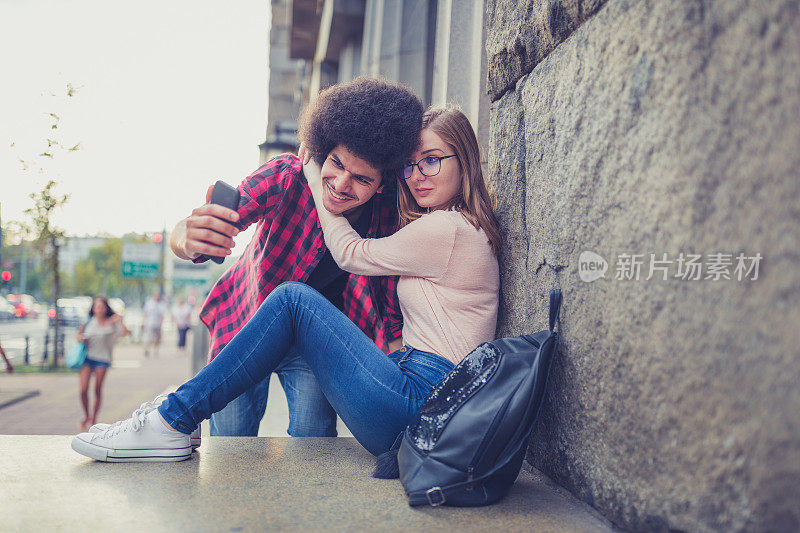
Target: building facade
x: 420, y: 43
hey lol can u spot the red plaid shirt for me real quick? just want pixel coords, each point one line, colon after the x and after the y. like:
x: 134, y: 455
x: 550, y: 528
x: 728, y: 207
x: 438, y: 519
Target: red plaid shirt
x: 287, y: 246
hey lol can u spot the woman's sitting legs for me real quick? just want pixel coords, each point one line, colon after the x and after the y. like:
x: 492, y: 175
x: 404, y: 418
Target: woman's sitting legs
x: 374, y: 395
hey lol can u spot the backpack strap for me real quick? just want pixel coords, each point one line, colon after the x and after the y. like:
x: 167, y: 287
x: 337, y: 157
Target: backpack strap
x: 436, y: 496
x: 555, y: 307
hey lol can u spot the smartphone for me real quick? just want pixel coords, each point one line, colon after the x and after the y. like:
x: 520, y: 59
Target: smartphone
x: 226, y: 196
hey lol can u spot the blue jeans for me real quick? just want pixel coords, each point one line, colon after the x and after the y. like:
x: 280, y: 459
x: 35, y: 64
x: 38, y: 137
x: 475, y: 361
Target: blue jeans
x: 310, y: 414
x: 375, y: 395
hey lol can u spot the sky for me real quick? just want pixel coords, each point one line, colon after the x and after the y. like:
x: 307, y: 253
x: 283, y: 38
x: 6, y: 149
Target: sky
x: 171, y: 96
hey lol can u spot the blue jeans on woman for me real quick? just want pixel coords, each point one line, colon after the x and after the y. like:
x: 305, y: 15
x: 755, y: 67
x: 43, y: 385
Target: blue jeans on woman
x: 375, y: 395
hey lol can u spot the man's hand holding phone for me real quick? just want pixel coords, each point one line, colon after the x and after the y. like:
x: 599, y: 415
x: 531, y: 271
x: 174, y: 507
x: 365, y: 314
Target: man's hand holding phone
x: 209, y: 230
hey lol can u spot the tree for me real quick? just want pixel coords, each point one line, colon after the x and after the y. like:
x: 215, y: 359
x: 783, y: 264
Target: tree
x: 47, y: 238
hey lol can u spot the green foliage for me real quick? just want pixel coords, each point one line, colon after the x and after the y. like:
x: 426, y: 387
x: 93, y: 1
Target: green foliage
x: 101, y: 273
x: 45, y: 235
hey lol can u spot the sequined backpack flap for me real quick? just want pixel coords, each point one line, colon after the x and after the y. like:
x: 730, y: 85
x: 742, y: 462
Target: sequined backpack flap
x: 466, y: 444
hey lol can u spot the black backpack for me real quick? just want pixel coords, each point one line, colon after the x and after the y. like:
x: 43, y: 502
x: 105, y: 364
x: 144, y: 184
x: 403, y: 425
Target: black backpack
x: 466, y: 445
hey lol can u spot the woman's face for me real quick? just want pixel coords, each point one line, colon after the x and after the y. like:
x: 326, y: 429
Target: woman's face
x: 99, y: 307
x: 434, y: 192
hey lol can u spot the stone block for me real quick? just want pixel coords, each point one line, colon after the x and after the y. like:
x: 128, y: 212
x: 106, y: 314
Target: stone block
x: 667, y: 126
x: 521, y: 34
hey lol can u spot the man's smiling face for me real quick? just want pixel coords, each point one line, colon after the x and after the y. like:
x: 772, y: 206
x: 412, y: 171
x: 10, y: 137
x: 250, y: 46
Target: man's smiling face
x: 348, y: 181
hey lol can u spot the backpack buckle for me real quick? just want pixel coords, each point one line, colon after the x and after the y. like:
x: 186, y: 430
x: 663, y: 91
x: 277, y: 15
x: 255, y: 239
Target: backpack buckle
x: 431, y: 501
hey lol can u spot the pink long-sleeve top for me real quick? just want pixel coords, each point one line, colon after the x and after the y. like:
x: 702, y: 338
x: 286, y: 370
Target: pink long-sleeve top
x: 449, y: 278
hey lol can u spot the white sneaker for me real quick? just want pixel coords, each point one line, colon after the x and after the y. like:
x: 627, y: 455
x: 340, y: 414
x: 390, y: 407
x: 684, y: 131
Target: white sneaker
x: 133, y: 440
x: 195, y: 437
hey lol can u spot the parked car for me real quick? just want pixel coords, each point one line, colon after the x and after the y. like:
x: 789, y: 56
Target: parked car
x: 25, y: 305
x: 7, y: 311
x: 70, y: 311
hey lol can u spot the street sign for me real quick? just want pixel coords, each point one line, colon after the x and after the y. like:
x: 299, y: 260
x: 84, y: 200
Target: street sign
x: 141, y: 260
x: 188, y: 274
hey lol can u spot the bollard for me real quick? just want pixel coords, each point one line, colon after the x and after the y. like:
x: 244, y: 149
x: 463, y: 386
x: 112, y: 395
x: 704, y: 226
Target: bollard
x: 27, y: 349
x: 46, y: 342
x: 58, y: 348
x: 201, y: 339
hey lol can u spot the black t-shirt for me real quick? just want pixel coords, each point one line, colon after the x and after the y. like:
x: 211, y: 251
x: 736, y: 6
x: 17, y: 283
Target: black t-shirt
x: 327, y: 277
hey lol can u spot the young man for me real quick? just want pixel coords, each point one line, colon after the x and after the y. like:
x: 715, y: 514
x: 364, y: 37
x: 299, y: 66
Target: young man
x: 361, y: 133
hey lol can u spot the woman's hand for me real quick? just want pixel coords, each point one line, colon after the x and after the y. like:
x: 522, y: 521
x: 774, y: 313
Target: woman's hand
x: 117, y: 319
x: 312, y: 172
x: 303, y: 154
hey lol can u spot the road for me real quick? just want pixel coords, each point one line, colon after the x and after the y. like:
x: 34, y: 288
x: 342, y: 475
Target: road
x: 13, y: 334
x: 16, y: 333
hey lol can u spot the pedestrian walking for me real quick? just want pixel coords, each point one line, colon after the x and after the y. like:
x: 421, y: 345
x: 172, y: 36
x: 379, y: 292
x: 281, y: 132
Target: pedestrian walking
x: 100, y: 334
x: 154, y: 311
x: 182, y: 315
x: 9, y: 368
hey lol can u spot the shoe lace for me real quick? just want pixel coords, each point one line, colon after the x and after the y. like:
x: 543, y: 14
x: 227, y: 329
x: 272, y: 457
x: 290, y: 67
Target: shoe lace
x: 135, y: 422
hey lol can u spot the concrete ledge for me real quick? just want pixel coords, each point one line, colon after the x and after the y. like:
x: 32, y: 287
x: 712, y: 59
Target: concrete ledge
x: 245, y: 484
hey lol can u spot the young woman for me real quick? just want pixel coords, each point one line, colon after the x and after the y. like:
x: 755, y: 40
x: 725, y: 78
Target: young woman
x: 100, y: 334
x: 445, y: 255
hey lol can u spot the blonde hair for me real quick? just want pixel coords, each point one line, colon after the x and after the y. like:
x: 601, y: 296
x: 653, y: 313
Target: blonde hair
x: 473, y: 201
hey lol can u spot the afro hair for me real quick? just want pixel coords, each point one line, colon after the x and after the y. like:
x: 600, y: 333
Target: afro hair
x: 377, y: 120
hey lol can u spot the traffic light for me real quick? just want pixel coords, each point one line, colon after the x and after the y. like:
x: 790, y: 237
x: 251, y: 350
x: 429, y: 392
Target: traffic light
x: 158, y: 237
x: 6, y: 276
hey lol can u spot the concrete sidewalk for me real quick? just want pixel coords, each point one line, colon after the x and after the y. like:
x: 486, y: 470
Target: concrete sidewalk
x: 51, y: 400
x: 133, y: 379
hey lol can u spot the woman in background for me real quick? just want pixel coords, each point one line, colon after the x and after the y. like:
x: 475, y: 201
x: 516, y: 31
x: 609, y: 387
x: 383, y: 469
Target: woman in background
x: 100, y: 334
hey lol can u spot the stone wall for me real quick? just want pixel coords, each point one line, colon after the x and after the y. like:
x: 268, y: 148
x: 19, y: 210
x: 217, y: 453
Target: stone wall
x: 652, y: 127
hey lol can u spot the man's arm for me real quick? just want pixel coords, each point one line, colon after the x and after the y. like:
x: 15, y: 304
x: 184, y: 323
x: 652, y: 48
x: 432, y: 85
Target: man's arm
x: 392, y: 316
x: 203, y: 233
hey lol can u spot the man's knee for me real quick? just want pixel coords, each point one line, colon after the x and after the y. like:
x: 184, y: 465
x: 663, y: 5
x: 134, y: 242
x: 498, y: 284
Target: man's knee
x: 291, y: 289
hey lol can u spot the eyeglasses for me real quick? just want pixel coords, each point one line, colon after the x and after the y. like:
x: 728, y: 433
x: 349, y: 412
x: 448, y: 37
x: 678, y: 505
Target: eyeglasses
x: 428, y: 166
